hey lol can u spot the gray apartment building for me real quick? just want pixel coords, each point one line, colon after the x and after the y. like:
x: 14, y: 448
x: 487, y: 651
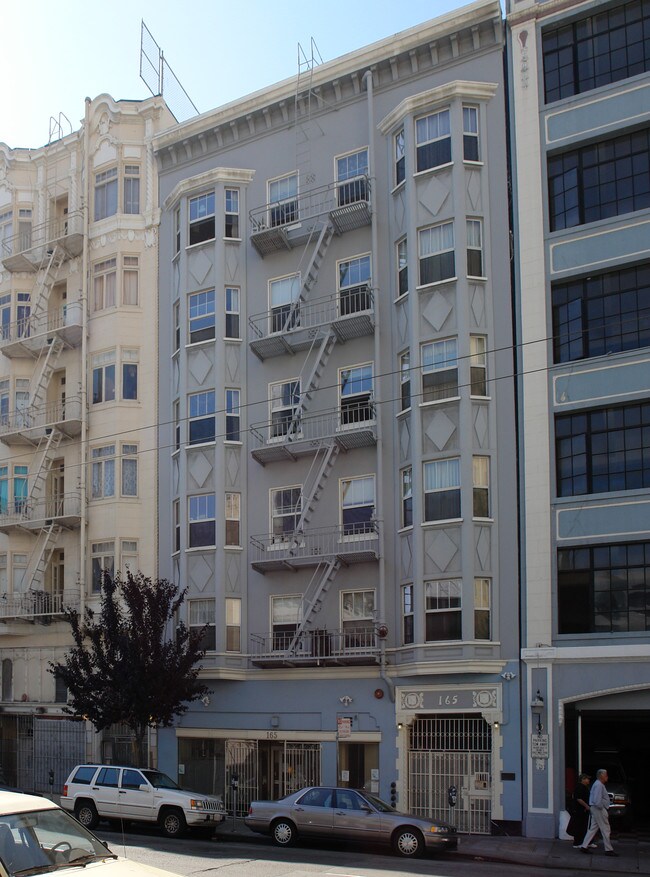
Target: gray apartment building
x: 337, y: 469
x: 580, y: 119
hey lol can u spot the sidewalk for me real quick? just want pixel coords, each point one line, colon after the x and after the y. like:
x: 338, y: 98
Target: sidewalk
x: 633, y: 858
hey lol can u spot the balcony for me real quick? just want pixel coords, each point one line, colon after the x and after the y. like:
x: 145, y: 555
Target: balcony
x: 291, y: 551
x: 31, y: 335
x: 29, y: 251
x: 28, y: 427
x: 292, y: 222
x: 34, y: 606
x: 314, y: 648
x: 287, y: 439
x: 291, y: 328
x: 26, y: 514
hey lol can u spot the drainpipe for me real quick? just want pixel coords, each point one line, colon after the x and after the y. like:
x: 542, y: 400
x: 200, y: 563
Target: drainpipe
x: 85, y: 169
x: 381, y: 591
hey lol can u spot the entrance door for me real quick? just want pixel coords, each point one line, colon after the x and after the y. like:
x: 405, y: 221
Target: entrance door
x: 57, y: 489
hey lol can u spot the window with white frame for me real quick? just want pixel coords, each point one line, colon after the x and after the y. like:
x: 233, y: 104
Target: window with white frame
x: 439, y: 361
x: 103, y: 472
x: 102, y: 560
x: 475, y: 248
x: 478, y: 365
x: 407, y: 497
x: 284, y: 293
x: 354, y: 285
x: 129, y: 555
x: 470, y: 134
x: 231, y: 213
x: 358, y: 505
x: 177, y: 231
x: 355, y: 392
x: 433, y: 140
x: 4, y: 490
x: 202, y: 218
x: 358, y: 619
x: 104, y: 284
x: 131, y: 188
x: 201, y: 316
x: 286, y: 508
x: 105, y: 194
x: 400, y: 157
x: 442, y: 490
x: 5, y: 316
x: 129, y: 464
x: 442, y: 603
x: 482, y: 609
x: 232, y: 312
x: 202, y: 618
x: 22, y: 406
x: 233, y: 519
x: 286, y: 615
x: 176, y: 515
x: 405, y: 380
x: 24, y: 228
x: 408, y: 630
x: 130, y: 358
x: 283, y: 200
x: 436, y: 255
x: 176, y: 326
x: 103, y: 365
x: 19, y: 573
x: 232, y: 415
x: 481, y: 486
x: 130, y: 281
x: 176, y: 408
x: 352, y: 177
x: 21, y: 488
x: 4, y: 572
x: 284, y: 399
x: 23, y: 311
x: 233, y: 624
x: 6, y: 232
x: 201, y: 520
x: 202, y: 418
x: 402, y: 268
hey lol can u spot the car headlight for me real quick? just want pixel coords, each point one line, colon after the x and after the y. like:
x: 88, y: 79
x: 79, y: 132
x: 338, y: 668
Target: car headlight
x: 439, y: 829
x: 620, y: 799
x: 195, y: 804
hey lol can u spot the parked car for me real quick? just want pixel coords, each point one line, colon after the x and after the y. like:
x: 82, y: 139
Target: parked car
x: 348, y: 814
x: 37, y: 836
x: 107, y: 791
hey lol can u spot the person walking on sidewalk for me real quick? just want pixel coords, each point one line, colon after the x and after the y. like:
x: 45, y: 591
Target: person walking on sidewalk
x: 599, y: 805
x: 579, y: 822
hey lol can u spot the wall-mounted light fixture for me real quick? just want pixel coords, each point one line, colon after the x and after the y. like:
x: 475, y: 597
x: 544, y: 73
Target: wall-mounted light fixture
x: 399, y: 726
x: 537, y: 708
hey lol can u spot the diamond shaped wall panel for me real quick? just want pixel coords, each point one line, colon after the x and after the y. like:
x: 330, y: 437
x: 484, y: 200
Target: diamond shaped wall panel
x: 200, y: 467
x: 483, y: 537
x: 200, y: 571
x: 439, y: 426
x: 441, y: 551
x: 406, y: 556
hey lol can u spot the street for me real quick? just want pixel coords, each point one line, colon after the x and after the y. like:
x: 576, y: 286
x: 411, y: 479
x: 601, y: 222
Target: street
x: 198, y: 855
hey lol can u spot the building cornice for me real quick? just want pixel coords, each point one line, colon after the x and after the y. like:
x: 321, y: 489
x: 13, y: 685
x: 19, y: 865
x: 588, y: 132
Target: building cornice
x: 459, y: 88
x: 234, y: 175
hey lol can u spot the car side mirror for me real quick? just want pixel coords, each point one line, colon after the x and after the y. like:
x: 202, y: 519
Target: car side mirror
x: 143, y: 787
x: 366, y: 808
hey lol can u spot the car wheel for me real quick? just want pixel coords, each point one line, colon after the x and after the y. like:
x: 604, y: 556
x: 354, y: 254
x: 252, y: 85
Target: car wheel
x: 86, y: 813
x: 173, y: 822
x: 283, y: 832
x: 408, y: 842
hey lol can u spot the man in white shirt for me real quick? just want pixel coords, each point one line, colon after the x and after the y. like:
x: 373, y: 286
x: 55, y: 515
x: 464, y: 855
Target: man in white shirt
x: 598, y: 806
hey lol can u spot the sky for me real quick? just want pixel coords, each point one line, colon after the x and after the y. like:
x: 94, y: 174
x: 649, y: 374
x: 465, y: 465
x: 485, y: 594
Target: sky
x: 55, y: 53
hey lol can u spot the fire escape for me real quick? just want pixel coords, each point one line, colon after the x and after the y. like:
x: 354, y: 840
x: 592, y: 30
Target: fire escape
x: 46, y: 327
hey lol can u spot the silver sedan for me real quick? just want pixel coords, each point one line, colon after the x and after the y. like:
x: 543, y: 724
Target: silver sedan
x: 347, y: 814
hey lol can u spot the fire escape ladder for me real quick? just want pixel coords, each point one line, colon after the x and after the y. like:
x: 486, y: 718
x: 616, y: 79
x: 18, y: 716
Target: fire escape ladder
x: 43, y: 459
x: 48, y: 364
x: 45, y: 280
x: 307, y: 388
x: 313, y: 599
x: 41, y: 555
x: 327, y: 460
x: 310, y: 275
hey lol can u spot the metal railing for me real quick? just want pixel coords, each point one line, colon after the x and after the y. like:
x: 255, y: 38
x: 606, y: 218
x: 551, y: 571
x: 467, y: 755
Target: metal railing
x: 345, y: 541
x: 321, y: 644
x: 311, y: 314
x: 33, y: 326
x: 21, y: 511
x: 313, y: 428
x: 41, y: 417
x: 41, y: 235
x: 31, y: 604
x: 310, y: 204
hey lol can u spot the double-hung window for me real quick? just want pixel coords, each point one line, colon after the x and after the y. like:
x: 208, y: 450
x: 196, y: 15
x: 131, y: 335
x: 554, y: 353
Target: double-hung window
x: 436, y: 257
x: 6, y: 232
x: 402, y: 268
x: 442, y: 601
x: 356, y: 395
x: 201, y: 316
x: 105, y: 194
x: 478, y: 365
x: 201, y: 517
x: 442, y: 490
x: 103, y: 377
x: 21, y: 488
x: 405, y: 380
x: 131, y: 188
x: 103, y: 472
x: 283, y: 296
x: 231, y: 213
x: 176, y: 516
x: 400, y: 157
x: 475, y: 248
x: 176, y: 409
x: 408, y: 630
x: 201, y: 417
x: 482, y: 609
x: 439, y: 370
x: 433, y: 140
x: 177, y: 231
x: 104, y: 284
x: 286, y: 614
x: 202, y: 616
x: 354, y: 285
x: 233, y: 416
x: 407, y: 497
x: 130, y: 280
x: 358, y: 619
x: 129, y: 461
x: 232, y: 312
x: 352, y: 178
x: 233, y: 624
x: 102, y: 560
x: 233, y: 519
x: 283, y: 200
x: 202, y: 227
x: 481, y: 486
x: 358, y: 505
x: 284, y: 400
x: 286, y: 508
x: 23, y: 311
x: 470, y: 134
x: 130, y: 358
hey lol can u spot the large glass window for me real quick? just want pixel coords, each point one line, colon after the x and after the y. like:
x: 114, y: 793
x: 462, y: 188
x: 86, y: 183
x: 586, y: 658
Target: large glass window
x: 601, y: 314
x: 358, y: 505
x: 442, y: 490
x: 104, y: 377
x: 442, y: 602
x: 104, y: 284
x: 103, y: 472
x: 284, y: 400
x: 202, y: 615
x: 202, y: 218
x: 439, y: 370
x: 202, y: 417
x: 604, y: 588
x: 433, y: 140
x: 354, y: 285
x: 283, y: 200
x: 357, y: 619
x: 608, y: 46
x: 105, y: 194
x: 286, y: 614
x: 201, y: 316
x: 356, y: 395
x: 600, y: 180
x: 102, y: 560
x: 283, y: 295
x: 352, y: 177
x: 286, y: 508
x: 202, y: 530
x: 603, y: 450
x: 436, y: 257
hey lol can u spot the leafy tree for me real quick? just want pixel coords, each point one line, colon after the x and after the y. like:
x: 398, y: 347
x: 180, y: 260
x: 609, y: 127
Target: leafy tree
x: 122, y: 667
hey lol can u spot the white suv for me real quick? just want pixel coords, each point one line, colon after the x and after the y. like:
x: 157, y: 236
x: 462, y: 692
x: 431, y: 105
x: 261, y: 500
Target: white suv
x: 107, y: 791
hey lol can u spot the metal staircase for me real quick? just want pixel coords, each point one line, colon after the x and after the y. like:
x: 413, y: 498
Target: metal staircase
x: 48, y: 360
x: 43, y: 459
x: 47, y: 277
x: 313, y: 597
x: 41, y: 555
x: 311, y: 385
x: 310, y: 275
x: 325, y: 458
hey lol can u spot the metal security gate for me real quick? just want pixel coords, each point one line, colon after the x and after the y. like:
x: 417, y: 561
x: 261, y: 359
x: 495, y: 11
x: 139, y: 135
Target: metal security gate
x: 241, y: 762
x: 46, y: 745
x: 301, y: 766
x: 452, y: 751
